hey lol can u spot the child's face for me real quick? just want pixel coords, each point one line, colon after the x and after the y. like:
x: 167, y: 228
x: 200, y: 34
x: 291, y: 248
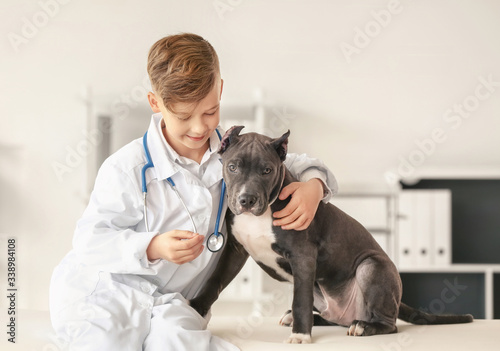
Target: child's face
x: 188, y: 129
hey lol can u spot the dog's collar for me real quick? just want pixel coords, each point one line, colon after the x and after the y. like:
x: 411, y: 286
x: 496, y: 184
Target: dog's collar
x: 277, y: 189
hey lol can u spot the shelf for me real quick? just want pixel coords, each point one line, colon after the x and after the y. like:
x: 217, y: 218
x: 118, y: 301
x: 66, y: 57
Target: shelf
x: 364, y: 195
x: 455, y: 268
x: 379, y: 230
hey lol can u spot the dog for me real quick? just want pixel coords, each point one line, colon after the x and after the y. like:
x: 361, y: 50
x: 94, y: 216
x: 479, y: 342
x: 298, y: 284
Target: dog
x: 335, y: 265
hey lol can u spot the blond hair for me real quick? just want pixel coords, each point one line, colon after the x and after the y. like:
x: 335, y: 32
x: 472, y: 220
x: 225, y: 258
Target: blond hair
x: 182, y: 68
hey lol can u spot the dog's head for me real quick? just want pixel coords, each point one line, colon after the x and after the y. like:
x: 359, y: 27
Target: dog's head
x: 253, y: 169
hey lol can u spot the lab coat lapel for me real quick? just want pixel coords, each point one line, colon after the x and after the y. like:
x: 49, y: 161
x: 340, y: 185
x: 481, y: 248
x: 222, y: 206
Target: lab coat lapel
x: 163, y: 160
x: 213, y: 173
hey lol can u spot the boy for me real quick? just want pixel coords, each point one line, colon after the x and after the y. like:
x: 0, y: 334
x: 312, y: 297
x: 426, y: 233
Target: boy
x: 124, y: 287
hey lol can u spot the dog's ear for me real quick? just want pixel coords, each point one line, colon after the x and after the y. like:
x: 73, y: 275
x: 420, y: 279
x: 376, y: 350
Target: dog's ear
x: 229, y: 138
x: 281, y: 145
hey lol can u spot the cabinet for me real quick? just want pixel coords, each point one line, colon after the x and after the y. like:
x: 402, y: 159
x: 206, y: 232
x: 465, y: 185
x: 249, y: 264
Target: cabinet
x: 475, y: 241
x: 459, y: 288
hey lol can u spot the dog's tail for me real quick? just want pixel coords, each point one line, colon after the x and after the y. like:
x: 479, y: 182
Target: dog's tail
x: 414, y: 316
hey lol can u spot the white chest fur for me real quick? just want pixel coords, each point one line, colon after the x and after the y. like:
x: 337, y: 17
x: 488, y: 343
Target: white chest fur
x: 256, y: 235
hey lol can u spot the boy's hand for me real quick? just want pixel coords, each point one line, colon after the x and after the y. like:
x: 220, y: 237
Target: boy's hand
x: 177, y: 246
x: 300, y: 211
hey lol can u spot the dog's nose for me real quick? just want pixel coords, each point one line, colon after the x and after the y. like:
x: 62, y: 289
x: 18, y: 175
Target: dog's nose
x: 247, y: 200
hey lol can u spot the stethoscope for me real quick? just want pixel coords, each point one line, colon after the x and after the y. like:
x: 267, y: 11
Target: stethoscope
x: 216, y: 240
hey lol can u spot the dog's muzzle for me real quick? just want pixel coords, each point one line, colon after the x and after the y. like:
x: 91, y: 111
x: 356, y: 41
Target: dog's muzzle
x: 247, y: 201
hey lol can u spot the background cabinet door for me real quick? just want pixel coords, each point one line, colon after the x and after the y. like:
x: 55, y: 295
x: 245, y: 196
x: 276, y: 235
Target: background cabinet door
x: 372, y: 211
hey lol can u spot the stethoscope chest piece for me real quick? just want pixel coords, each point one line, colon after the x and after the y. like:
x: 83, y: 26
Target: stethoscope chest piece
x: 215, y: 242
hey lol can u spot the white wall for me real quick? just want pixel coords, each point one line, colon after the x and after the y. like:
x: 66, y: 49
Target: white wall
x: 361, y: 113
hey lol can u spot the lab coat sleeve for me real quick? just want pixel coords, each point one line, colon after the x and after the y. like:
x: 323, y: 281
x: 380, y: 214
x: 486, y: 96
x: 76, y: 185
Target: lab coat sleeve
x: 105, y: 236
x: 305, y: 168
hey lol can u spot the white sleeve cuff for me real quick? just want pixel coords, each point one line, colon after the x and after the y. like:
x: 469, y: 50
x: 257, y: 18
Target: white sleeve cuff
x: 135, y: 254
x: 312, y: 173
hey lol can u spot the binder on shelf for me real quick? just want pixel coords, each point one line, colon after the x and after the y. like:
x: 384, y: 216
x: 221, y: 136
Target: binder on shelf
x: 424, y: 232
x: 405, y: 231
x: 442, y: 227
x: 424, y: 229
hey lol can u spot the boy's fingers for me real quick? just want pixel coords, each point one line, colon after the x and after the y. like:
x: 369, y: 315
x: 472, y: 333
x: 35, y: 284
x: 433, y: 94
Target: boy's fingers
x: 287, y: 211
x: 189, y: 243
x: 188, y: 256
x: 300, y: 223
x: 281, y: 214
x: 286, y: 219
x: 184, y: 234
x: 288, y: 190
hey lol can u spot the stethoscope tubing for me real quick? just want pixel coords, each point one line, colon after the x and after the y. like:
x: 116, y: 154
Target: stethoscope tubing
x: 219, y: 211
x: 149, y: 164
x: 174, y: 188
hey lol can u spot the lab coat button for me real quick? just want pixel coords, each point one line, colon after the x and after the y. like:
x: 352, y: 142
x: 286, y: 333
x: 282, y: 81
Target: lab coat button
x: 145, y: 287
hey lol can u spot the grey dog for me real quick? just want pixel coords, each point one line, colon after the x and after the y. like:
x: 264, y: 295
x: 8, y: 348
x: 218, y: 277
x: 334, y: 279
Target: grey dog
x: 335, y: 265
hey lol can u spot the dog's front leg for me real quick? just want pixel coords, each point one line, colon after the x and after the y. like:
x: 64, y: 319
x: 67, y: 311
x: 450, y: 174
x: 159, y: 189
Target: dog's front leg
x: 233, y: 258
x: 304, y: 271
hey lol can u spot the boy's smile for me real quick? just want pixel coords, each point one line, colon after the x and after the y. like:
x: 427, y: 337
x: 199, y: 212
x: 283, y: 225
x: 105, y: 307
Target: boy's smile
x: 188, y: 129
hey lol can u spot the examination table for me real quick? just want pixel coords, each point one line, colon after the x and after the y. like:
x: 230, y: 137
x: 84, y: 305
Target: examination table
x: 34, y: 333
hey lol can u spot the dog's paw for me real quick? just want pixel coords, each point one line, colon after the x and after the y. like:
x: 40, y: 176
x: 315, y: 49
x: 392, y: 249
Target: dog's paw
x: 357, y: 328
x: 198, y: 307
x: 296, y: 338
x: 362, y: 328
x: 287, y: 319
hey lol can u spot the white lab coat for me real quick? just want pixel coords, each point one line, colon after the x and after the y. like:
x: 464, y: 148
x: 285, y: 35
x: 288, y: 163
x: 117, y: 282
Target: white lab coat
x: 105, y: 294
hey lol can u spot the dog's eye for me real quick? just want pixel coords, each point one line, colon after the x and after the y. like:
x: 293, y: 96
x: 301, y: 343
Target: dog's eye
x: 232, y: 168
x: 267, y: 170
